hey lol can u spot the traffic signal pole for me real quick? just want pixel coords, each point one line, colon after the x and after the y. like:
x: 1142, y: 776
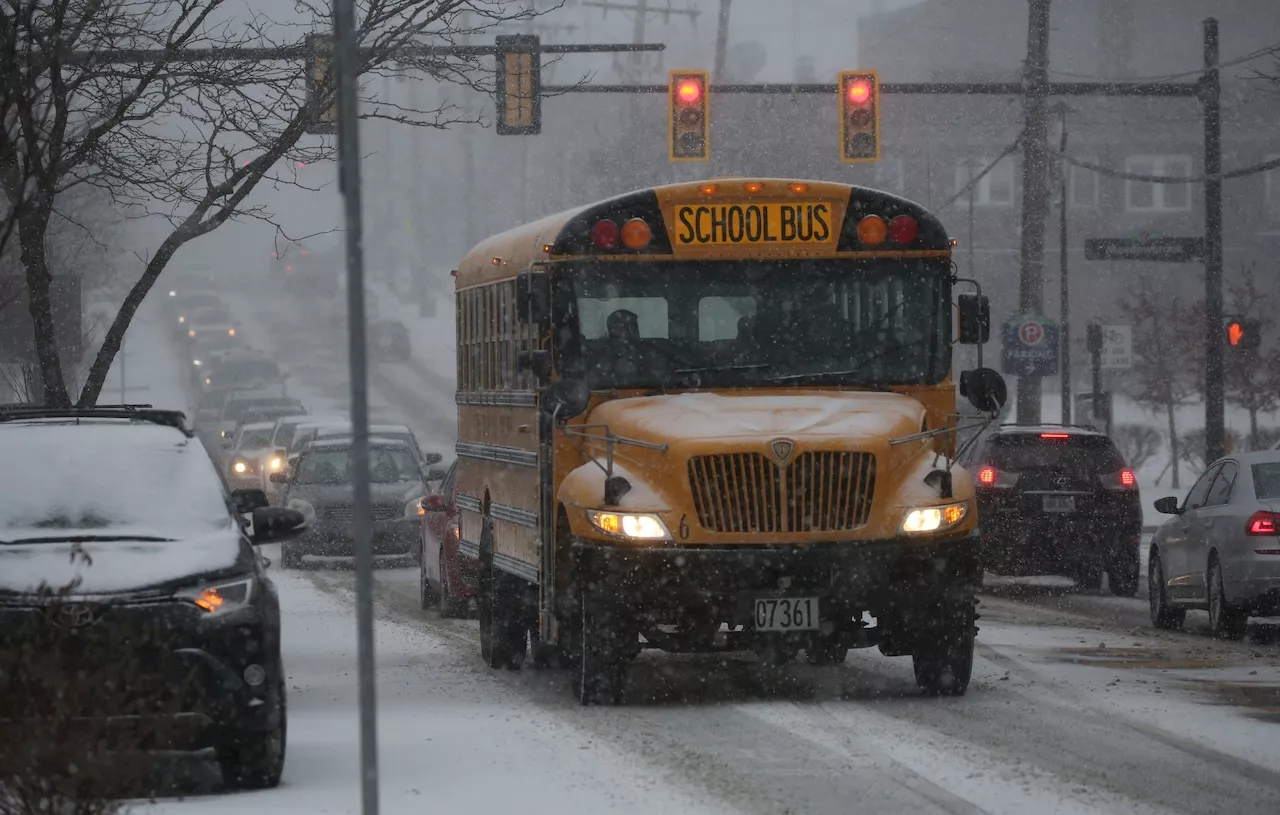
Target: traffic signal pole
x: 1214, y: 386
x: 1035, y: 189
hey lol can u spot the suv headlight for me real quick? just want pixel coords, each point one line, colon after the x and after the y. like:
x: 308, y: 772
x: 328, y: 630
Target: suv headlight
x: 640, y: 526
x: 242, y: 467
x: 933, y: 519
x: 220, y: 598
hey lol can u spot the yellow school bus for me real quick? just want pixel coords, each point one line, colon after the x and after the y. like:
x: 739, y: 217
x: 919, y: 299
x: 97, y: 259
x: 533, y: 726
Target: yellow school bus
x: 718, y: 416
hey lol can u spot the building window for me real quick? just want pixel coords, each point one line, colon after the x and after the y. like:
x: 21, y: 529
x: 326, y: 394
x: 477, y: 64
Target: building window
x: 1082, y: 186
x: 1143, y: 196
x: 995, y: 189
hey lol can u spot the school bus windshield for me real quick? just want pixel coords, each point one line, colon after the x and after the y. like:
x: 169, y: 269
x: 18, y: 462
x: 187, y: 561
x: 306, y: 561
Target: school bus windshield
x: 754, y: 323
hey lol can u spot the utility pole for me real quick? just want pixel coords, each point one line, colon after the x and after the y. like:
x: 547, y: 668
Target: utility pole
x: 468, y: 152
x: 1211, y: 96
x: 1035, y: 192
x: 1064, y: 330
x: 722, y: 40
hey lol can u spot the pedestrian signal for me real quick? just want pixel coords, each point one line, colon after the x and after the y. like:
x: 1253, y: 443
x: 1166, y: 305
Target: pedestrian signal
x: 859, y: 116
x: 1243, y: 335
x: 689, y: 119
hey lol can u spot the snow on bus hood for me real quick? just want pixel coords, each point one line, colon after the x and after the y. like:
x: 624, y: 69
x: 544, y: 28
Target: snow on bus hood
x: 690, y: 416
x: 111, y: 566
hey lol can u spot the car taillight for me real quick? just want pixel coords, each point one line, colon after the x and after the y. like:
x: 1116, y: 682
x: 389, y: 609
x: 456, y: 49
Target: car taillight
x: 989, y: 476
x: 1263, y: 523
x: 1123, y: 480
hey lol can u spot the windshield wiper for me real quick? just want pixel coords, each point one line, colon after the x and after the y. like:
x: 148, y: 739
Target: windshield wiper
x: 93, y: 539
x: 871, y: 384
x: 670, y: 375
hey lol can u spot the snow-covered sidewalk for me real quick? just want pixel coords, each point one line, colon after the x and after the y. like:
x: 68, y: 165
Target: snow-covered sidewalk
x: 150, y: 368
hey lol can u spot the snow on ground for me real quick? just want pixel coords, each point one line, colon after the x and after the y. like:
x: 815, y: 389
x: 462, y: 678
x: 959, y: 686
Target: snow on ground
x: 447, y: 742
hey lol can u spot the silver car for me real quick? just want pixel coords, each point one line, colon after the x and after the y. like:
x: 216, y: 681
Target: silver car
x: 1220, y: 552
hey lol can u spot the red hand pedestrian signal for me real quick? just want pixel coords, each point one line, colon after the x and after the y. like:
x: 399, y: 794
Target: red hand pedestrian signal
x: 1235, y: 333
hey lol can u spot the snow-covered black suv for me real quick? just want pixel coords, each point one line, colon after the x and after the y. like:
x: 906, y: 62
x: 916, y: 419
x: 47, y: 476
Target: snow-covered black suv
x: 121, y: 546
x: 1057, y: 500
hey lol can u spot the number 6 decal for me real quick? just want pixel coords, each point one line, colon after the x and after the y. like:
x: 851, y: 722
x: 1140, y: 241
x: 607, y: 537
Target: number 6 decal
x: 684, y: 527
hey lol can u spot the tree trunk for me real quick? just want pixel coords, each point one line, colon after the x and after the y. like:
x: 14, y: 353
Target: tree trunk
x: 97, y: 376
x: 1173, y: 445
x: 31, y: 232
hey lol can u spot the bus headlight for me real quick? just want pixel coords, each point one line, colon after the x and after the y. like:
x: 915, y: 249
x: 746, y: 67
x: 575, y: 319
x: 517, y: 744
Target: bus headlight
x: 933, y: 519
x: 638, y: 526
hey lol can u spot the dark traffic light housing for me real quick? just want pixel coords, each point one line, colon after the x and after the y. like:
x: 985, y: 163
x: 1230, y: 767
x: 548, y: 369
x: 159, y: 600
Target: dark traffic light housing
x: 859, y: 116
x: 689, y: 120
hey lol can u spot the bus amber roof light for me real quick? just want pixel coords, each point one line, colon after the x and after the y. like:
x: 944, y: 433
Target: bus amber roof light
x: 604, y: 234
x: 708, y: 189
x: 904, y: 229
x: 636, y: 234
x: 799, y: 188
x: 753, y: 187
x: 872, y: 230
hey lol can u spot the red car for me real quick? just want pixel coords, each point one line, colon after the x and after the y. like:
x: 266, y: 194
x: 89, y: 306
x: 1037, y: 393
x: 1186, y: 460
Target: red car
x: 446, y: 577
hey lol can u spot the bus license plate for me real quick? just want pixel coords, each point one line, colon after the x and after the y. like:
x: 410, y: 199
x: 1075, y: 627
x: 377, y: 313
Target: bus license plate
x: 1059, y: 503
x: 787, y: 614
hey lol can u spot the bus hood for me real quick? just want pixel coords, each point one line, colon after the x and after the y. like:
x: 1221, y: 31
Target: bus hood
x: 707, y: 416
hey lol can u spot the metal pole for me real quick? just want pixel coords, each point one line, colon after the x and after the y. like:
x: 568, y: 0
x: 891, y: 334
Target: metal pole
x: 722, y: 40
x: 123, y: 389
x: 1214, y: 399
x: 1035, y: 192
x: 1064, y: 333
x: 344, y: 30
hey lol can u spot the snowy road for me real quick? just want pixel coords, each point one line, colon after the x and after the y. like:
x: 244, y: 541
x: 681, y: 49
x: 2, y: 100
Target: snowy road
x: 1059, y: 719
x: 1077, y: 705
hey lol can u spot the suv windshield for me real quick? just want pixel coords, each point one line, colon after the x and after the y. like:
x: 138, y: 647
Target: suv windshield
x: 736, y: 323
x: 387, y: 465
x: 1020, y: 452
x: 254, y: 439
x: 1266, y: 481
x: 93, y: 478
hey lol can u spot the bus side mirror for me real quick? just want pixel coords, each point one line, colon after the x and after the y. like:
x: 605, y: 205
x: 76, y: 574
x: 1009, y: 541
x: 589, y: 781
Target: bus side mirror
x: 985, y: 389
x: 533, y: 297
x: 975, y: 319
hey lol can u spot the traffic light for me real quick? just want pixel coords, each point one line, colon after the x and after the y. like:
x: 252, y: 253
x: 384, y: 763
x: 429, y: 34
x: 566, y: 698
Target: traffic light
x: 322, y: 86
x: 1243, y: 335
x: 688, y: 104
x: 859, y: 116
x: 519, y: 91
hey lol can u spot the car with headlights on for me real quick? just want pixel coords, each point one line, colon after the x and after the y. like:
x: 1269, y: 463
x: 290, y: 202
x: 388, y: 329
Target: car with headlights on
x: 400, y: 432
x: 239, y: 405
x: 126, y: 562
x: 241, y: 368
x: 204, y: 340
x: 248, y: 449
x: 184, y: 305
x: 320, y: 487
x: 1220, y: 550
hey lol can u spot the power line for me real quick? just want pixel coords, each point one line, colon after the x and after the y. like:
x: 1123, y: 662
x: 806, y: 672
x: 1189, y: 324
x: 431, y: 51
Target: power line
x: 1270, y: 49
x: 1165, y: 179
x: 973, y: 181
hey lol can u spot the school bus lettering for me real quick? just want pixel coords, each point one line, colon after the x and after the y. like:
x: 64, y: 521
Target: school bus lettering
x: 721, y: 224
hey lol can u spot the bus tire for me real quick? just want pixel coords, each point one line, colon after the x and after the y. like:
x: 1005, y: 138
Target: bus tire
x: 943, y: 655
x: 600, y: 670
x: 502, y: 636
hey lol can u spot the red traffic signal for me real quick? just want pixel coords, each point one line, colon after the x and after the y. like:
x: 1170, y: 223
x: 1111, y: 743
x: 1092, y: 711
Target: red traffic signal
x: 688, y: 130
x: 859, y: 116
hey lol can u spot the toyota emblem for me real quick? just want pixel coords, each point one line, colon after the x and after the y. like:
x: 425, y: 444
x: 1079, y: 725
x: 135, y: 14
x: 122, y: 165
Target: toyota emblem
x: 77, y: 615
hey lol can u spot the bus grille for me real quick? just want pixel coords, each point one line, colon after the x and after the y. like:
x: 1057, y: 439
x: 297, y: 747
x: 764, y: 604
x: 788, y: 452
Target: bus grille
x: 749, y: 493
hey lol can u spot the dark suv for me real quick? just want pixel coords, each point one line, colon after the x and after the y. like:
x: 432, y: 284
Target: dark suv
x: 1057, y: 500
x: 128, y: 573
